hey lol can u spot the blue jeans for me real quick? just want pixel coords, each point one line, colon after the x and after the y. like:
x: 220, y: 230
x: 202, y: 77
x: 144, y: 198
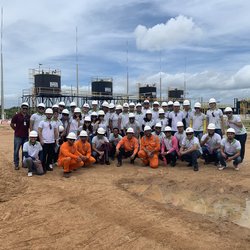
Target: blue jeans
x: 198, y: 134
x: 236, y: 161
x: 210, y: 157
x: 242, y: 139
x: 18, y: 143
x: 218, y: 131
x: 192, y: 157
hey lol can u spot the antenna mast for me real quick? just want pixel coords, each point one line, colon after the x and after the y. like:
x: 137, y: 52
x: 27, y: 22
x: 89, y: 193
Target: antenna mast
x: 127, y: 71
x: 2, y: 90
x: 77, y: 78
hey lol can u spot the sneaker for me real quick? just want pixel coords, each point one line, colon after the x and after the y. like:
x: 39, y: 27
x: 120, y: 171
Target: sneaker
x: 132, y: 161
x: 196, y: 168
x: 119, y: 164
x: 220, y: 167
x: 236, y: 167
x: 50, y: 167
x: 29, y: 174
x: 16, y: 167
x: 66, y: 174
x: 107, y: 163
x: 189, y: 164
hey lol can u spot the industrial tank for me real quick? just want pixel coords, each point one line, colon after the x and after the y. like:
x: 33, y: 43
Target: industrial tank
x: 147, y: 92
x: 102, y: 88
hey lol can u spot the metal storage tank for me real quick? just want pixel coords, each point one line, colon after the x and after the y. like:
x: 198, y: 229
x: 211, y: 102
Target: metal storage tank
x: 147, y: 92
x: 102, y: 88
x: 175, y: 94
x: 47, y: 83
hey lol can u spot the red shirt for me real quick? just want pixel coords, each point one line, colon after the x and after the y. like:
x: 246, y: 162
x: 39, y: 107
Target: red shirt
x: 22, y: 124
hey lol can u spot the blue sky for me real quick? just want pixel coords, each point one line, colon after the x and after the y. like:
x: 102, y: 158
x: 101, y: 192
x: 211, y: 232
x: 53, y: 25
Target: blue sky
x: 205, y: 42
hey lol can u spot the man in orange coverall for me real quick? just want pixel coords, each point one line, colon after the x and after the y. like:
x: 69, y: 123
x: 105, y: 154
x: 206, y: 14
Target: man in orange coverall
x: 128, y: 147
x: 84, y: 148
x: 150, y: 147
x: 69, y: 158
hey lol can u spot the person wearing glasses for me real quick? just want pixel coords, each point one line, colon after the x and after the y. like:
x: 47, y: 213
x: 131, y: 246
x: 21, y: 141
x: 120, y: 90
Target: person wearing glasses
x: 234, y: 121
x: 191, y: 150
x: 48, y: 134
x: 187, y: 112
x: 215, y: 116
x: 20, y: 123
x: 37, y: 117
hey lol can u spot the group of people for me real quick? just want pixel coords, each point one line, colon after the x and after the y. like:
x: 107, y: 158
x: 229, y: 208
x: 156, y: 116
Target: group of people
x: 82, y: 136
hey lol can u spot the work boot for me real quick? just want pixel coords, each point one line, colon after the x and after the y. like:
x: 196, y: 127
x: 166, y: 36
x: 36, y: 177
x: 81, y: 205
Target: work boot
x: 66, y: 174
x: 119, y: 164
x: 132, y: 161
x: 107, y: 163
x: 196, y: 168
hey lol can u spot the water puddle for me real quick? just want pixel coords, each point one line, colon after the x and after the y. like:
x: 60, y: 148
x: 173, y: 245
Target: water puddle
x: 232, y: 208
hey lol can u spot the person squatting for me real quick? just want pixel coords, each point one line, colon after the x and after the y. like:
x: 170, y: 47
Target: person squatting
x: 80, y: 137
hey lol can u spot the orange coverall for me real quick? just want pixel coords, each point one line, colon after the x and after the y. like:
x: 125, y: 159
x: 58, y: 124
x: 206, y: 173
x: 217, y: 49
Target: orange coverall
x: 128, y: 145
x: 151, y: 144
x: 85, y: 149
x: 68, y: 157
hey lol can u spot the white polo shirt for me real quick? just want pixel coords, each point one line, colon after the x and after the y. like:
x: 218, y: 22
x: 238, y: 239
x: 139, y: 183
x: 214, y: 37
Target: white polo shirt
x: 187, y: 116
x: 214, y: 116
x: 180, y: 137
x: 198, y: 120
x: 190, y: 143
x: 99, y: 142
x: 230, y: 148
x: 238, y: 130
x: 48, y: 132
x: 139, y: 118
x: 163, y: 122
x: 176, y: 117
x: 37, y: 118
x: 212, y: 142
x: 32, y: 150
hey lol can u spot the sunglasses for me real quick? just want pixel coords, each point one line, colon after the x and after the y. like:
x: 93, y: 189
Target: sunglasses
x: 41, y: 108
x: 213, y: 114
x: 228, y: 113
x: 50, y: 126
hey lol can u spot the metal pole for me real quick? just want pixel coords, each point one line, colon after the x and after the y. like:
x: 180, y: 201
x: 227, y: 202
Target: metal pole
x: 160, y: 76
x: 77, y: 78
x: 2, y: 90
x: 127, y: 71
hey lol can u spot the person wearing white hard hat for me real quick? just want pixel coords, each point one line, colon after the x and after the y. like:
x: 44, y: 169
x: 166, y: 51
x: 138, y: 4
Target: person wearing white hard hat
x: 131, y: 107
x: 210, y: 143
x: 105, y: 108
x: 87, y: 126
x: 215, y: 116
x: 149, y: 148
x: 76, y: 121
x: 101, y: 122
x: 191, y: 150
x: 132, y: 123
x: 234, y: 121
x: 85, y: 110
x: 55, y: 107
x: 48, y: 134
x: 155, y: 110
x: 69, y: 157
x: 162, y: 119
x: 114, y: 117
x: 158, y: 131
x: 110, y: 116
x: 198, y: 121
x: 61, y: 106
x: 84, y: 148
x: 72, y: 106
x: 65, y: 123
x: 20, y: 123
x: 230, y: 150
x: 187, y: 111
x: 32, y: 155
x: 169, y: 147
x: 170, y: 106
x: 94, y: 119
x: 139, y: 116
x: 123, y: 118
x: 100, y: 147
x: 146, y: 106
x: 114, y: 139
x: 148, y: 120
x: 94, y: 106
x: 128, y: 146
x: 37, y: 117
x: 176, y: 116
x: 180, y: 134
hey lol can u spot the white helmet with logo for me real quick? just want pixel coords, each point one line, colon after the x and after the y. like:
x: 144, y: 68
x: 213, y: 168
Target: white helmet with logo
x: 130, y: 130
x: 33, y: 133
x: 83, y: 133
x: 211, y: 126
x: 147, y: 128
x: 71, y: 135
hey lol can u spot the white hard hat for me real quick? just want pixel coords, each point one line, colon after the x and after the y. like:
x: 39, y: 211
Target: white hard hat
x: 176, y: 104
x: 60, y: 128
x: 25, y: 104
x: 87, y: 119
x: 230, y: 130
x: 138, y: 105
x: 118, y: 107
x: 189, y: 130
x: 228, y: 109
x: 61, y: 103
x: 211, y: 126
x: 186, y: 103
x: 146, y: 101
x: 197, y: 105
x: 65, y: 111
x: 105, y: 104
x: 161, y: 111
x: 55, y: 106
x: 94, y: 102
x: 42, y: 105
x: 156, y: 103
x: 146, y: 128
x: 131, y: 115
x: 85, y: 105
x: 130, y: 130
x: 33, y: 133
x: 93, y: 114
x: 170, y: 103
x: 83, y: 133
x: 131, y: 104
x: 71, y: 135
x: 179, y: 124
x: 48, y: 111
x: 111, y: 105
x: 164, y: 104
x: 77, y: 110
x: 125, y: 105
x: 212, y: 100
x: 149, y: 112
x: 101, y: 131
x: 101, y: 112
x: 158, y: 125
x: 72, y: 104
x: 167, y: 129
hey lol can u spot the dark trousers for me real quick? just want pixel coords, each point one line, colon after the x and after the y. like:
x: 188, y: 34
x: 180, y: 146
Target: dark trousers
x: 112, y: 150
x: 18, y: 143
x: 124, y: 154
x: 236, y: 161
x: 198, y: 134
x: 242, y: 139
x: 48, y: 155
x: 192, y: 157
x: 104, y: 148
x: 211, y: 157
x: 171, y: 158
x: 218, y: 131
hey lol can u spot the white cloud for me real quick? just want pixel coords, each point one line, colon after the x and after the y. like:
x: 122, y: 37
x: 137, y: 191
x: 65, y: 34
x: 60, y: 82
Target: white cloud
x: 176, y: 31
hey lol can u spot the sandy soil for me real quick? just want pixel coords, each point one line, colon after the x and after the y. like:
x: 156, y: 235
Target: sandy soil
x: 132, y: 207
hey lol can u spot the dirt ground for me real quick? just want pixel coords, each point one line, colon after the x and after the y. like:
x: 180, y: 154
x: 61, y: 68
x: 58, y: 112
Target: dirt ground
x: 132, y: 207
